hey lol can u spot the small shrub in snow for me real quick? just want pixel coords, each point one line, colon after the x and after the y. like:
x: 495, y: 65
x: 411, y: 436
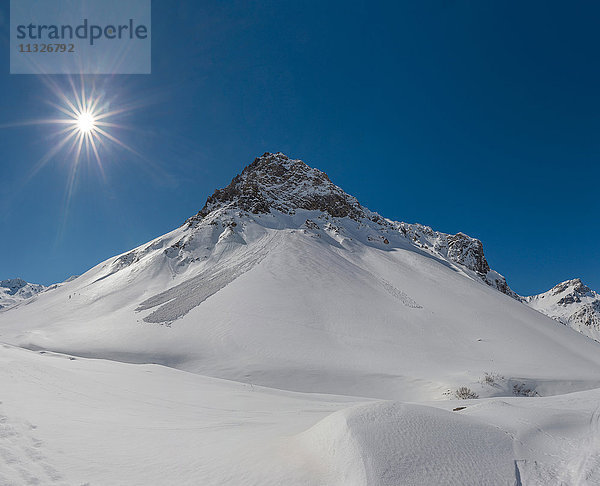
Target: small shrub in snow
x: 521, y: 390
x: 491, y: 379
x: 464, y: 393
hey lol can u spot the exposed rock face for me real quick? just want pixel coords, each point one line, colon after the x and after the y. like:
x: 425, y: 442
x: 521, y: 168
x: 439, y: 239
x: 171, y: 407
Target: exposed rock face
x: 274, y: 182
x: 12, y: 286
x: 573, y: 304
x: 15, y: 290
x: 588, y: 315
x: 468, y: 252
x: 571, y: 292
x: 458, y: 248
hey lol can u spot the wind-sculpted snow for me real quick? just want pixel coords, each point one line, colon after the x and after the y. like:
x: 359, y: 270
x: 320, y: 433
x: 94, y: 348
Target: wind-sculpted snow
x: 391, y: 443
x: 458, y: 248
x: 275, y: 183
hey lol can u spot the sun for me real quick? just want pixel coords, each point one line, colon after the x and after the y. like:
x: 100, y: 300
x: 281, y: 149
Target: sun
x: 86, y: 122
x: 88, y: 126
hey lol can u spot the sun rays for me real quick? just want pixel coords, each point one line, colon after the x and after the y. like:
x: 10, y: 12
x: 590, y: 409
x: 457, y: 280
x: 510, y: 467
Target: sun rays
x: 87, y: 124
x: 85, y: 131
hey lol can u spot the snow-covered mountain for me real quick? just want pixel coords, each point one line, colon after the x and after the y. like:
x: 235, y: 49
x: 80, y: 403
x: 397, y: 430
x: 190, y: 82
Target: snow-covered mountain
x: 274, y: 182
x: 312, y: 308
x: 284, y: 280
x: 573, y: 304
x: 16, y: 290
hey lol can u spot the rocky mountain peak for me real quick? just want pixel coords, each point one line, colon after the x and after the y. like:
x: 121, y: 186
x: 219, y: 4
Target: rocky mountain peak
x: 276, y: 182
x: 15, y: 290
x: 575, y: 290
x: 13, y: 285
x: 573, y: 303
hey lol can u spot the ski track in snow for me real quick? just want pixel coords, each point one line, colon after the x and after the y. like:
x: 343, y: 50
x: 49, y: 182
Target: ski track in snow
x: 587, y: 468
x: 21, y: 458
x: 387, y: 286
x: 400, y: 295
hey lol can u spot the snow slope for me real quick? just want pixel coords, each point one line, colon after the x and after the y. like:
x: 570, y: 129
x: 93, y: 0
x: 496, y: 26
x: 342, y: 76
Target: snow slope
x: 74, y: 421
x: 69, y: 421
x: 573, y: 304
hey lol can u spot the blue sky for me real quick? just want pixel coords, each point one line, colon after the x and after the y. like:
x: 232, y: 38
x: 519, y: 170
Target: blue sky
x: 481, y: 117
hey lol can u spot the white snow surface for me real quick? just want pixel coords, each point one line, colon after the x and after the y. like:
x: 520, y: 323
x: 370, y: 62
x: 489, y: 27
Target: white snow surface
x: 75, y: 421
x: 293, y: 347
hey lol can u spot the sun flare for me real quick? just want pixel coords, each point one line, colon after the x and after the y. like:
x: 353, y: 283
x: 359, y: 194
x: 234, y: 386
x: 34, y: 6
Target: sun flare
x: 87, y: 129
x: 86, y: 122
x: 86, y: 126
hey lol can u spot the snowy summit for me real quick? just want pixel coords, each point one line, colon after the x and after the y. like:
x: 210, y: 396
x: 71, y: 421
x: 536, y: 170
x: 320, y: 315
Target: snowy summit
x: 573, y: 304
x: 13, y: 291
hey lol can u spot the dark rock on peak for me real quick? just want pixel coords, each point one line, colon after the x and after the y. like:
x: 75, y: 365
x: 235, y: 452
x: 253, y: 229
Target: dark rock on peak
x: 276, y: 182
x: 468, y: 252
x: 13, y: 285
x: 575, y: 287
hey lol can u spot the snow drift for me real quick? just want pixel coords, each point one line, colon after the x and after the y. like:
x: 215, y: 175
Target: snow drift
x: 389, y: 443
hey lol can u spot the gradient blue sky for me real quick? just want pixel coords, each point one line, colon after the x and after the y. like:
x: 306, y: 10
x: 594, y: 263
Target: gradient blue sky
x: 481, y: 117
